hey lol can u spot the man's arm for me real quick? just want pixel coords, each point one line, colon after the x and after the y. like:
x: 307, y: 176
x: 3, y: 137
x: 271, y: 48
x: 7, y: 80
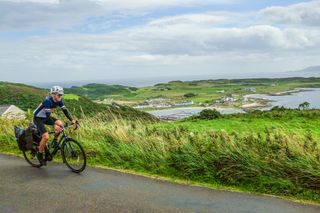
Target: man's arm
x: 67, y: 113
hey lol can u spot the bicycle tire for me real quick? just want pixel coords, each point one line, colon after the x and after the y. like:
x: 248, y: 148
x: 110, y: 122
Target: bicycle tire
x: 64, y: 155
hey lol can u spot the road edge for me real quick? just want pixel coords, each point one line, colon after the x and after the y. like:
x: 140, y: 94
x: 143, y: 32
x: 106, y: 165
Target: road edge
x: 188, y: 182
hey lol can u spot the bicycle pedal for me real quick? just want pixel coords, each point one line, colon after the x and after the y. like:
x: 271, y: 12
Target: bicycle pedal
x: 49, y: 158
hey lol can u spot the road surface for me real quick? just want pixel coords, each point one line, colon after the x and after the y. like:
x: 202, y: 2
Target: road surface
x: 55, y: 189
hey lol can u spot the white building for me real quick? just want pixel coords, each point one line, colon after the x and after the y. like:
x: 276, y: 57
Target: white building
x: 226, y: 100
x: 184, y: 103
x: 11, y: 111
x: 252, y: 89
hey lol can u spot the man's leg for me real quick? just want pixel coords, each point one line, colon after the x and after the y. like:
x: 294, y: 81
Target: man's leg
x: 42, y: 147
x: 43, y: 142
x: 57, y: 129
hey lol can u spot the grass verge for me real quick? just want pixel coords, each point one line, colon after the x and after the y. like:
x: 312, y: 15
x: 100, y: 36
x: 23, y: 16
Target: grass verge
x: 274, y: 162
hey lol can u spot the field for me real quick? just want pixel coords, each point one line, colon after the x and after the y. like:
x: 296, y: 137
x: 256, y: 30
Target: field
x: 246, y: 124
x: 276, y: 152
x: 206, y: 91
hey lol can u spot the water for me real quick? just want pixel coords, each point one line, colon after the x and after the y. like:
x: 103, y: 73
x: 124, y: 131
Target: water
x: 293, y: 100
x: 152, y: 80
x: 289, y: 101
x: 183, y: 112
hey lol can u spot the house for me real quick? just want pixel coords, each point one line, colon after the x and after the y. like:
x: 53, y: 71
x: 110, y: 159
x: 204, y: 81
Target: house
x: 184, y: 103
x: 153, y: 100
x: 153, y: 105
x: 252, y: 89
x: 11, y: 111
x: 226, y: 100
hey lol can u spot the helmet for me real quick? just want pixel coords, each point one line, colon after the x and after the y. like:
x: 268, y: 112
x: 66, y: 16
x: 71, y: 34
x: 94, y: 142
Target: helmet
x: 57, y: 90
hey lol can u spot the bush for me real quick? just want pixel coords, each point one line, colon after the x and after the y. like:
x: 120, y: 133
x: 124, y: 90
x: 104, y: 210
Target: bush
x: 189, y: 95
x: 209, y: 114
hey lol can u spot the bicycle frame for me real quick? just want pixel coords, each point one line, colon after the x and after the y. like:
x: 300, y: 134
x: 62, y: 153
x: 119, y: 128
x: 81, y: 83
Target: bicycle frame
x: 63, y: 139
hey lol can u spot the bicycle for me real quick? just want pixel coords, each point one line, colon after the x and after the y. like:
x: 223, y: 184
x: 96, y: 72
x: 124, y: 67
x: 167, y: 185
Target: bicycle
x: 72, y: 153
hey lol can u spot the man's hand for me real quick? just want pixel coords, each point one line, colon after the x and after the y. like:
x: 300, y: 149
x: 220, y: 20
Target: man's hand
x: 76, y: 124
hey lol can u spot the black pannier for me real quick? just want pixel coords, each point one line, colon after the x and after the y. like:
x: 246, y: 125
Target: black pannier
x: 25, y: 137
x: 19, y: 133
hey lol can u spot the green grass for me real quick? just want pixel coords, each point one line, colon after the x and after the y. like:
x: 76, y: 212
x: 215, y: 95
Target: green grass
x: 244, y: 125
x: 273, y: 157
x: 71, y: 97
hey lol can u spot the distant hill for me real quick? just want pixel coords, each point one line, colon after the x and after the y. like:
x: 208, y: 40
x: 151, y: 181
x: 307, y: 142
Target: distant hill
x: 310, y: 69
x: 29, y: 97
x: 100, y: 91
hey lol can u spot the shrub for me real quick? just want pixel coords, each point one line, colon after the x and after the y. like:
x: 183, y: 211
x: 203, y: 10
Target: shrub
x: 189, y: 95
x: 209, y: 114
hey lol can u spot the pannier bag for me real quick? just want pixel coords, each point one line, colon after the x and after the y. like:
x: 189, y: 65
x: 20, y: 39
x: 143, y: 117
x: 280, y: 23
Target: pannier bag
x: 25, y: 137
x: 20, y: 133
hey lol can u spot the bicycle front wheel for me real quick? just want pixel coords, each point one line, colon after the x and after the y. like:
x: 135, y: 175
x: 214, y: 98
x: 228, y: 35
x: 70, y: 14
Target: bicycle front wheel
x: 73, y: 155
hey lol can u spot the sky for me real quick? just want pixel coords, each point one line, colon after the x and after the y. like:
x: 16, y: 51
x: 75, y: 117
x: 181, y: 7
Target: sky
x: 88, y: 40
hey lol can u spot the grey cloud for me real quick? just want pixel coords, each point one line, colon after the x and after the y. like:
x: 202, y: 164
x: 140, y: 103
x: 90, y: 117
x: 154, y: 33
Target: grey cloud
x: 34, y: 16
x: 193, y: 40
x: 306, y: 13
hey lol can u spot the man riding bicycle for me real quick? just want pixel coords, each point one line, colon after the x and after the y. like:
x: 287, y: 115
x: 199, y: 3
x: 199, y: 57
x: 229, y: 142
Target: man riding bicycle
x: 42, y: 117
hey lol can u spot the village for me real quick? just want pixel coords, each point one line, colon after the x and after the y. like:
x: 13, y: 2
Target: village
x: 230, y: 100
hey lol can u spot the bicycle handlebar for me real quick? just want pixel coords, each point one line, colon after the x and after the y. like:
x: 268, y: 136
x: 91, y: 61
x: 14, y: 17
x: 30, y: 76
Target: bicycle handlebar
x: 67, y: 124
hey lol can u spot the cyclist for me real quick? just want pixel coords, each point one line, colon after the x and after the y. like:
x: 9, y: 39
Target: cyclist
x: 42, y: 116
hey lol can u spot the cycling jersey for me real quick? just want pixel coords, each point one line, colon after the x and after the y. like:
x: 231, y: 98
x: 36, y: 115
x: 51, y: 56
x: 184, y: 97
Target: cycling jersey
x: 46, y: 107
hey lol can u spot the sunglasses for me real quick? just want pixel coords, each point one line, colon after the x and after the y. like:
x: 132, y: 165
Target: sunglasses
x: 59, y: 95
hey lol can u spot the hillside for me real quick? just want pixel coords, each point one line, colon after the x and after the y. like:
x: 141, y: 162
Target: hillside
x: 310, y: 69
x: 99, y: 91
x: 29, y: 97
x: 201, y: 92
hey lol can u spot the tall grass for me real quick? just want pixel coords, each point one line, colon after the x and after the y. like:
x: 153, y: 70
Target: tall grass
x: 273, y: 162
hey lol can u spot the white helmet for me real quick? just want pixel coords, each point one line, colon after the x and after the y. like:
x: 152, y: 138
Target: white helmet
x: 57, y: 90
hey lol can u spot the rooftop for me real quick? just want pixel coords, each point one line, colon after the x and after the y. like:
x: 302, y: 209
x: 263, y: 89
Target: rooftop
x: 3, y: 108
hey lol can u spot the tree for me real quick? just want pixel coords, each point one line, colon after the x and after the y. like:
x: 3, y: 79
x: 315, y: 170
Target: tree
x: 209, y: 114
x: 189, y: 95
x: 305, y: 105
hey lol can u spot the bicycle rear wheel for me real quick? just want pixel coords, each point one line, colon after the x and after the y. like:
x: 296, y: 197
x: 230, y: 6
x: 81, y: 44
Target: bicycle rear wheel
x: 31, y: 158
x: 73, y: 155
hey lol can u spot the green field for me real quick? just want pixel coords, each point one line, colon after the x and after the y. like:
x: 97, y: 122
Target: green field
x: 70, y: 97
x: 203, y: 92
x: 244, y: 124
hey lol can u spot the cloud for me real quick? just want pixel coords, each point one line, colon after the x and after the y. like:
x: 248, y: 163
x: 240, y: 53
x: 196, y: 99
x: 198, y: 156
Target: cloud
x: 33, y: 1
x: 25, y: 15
x: 62, y: 14
x: 203, y: 42
x: 198, y: 35
x: 306, y: 13
x: 196, y: 19
x: 144, y: 4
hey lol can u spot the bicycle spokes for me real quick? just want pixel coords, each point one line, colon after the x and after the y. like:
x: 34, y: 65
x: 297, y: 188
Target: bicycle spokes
x: 74, y: 156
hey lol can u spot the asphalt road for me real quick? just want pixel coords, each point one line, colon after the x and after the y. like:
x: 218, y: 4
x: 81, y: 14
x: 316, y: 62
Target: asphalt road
x: 55, y: 189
